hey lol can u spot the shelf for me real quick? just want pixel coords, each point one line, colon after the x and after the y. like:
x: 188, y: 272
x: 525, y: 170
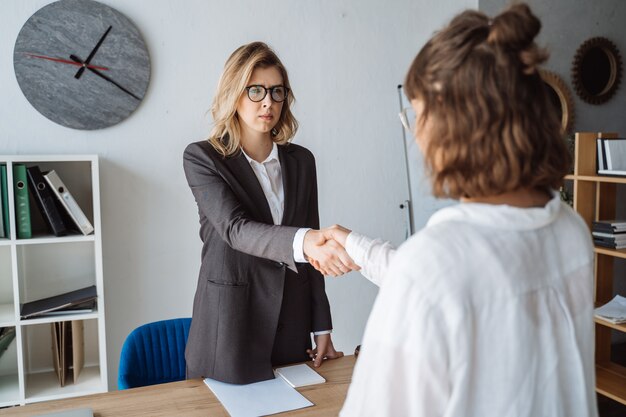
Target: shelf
x: 59, y: 318
x: 618, y: 253
x: 5, y: 241
x: 602, y: 322
x: 45, y: 386
x: 7, y: 315
x: 611, y: 381
x: 9, y: 390
x: 597, y: 178
x: 54, y: 239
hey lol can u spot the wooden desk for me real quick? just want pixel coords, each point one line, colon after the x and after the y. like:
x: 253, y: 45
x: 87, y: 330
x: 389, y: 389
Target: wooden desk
x: 194, y: 398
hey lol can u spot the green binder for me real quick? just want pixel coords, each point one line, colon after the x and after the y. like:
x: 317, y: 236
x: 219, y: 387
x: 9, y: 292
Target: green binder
x: 5, y: 199
x: 22, y: 207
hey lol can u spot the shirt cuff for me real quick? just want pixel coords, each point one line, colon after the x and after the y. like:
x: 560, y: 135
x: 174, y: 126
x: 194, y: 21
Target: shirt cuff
x: 298, y: 245
x: 321, y: 332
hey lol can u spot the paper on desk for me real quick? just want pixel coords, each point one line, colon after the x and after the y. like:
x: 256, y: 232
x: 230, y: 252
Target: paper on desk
x: 300, y: 375
x: 258, y: 399
x: 614, y: 311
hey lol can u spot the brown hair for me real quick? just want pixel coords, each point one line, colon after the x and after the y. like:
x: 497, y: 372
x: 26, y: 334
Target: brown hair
x: 493, y: 128
x: 226, y: 133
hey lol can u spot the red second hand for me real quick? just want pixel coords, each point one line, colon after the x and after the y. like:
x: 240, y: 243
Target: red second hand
x: 64, y: 61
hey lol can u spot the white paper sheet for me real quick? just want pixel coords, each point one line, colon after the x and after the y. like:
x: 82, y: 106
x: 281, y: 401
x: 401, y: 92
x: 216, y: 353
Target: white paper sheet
x: 258, y: 399
x: 300, y: 375
x: 614, y: 311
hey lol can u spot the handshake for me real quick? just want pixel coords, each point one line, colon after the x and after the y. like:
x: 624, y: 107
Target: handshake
x: 325, y: 250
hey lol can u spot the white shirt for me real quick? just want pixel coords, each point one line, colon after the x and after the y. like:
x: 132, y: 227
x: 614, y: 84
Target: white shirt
x: 487, y: 311
x: 270, y: 177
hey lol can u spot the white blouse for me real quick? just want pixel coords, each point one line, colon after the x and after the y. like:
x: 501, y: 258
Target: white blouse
x: 487, y: 311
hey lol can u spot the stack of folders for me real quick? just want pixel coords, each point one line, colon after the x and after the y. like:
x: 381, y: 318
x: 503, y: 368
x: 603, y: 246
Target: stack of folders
x: 4, y: 203
x: 56, y: 204
x: 68, y: 349
x: 73, y: 302
x: 614, y: 311
x: 611, y: 156
x: 609, y: 233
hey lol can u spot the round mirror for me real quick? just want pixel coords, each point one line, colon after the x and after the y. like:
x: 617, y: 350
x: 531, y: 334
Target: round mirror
x: 560, y: 97
x: 597, y: 70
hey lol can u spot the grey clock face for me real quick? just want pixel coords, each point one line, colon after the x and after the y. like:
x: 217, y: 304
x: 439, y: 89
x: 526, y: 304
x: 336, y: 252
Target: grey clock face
x: 81, y: 64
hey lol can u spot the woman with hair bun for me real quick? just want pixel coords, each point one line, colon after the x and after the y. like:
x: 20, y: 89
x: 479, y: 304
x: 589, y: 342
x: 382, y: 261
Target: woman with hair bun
x: 487, y: 311
x: 257, y: 300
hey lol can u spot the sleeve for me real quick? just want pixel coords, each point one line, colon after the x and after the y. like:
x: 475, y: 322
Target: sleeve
x: 321, y: 317
x: 373, y: 256
x: 229, y: 217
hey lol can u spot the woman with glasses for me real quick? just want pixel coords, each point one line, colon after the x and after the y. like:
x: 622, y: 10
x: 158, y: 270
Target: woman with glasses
x: 488, y: 310
x: 257, y: 300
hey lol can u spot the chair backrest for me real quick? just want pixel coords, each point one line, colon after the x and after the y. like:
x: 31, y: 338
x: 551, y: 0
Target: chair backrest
x: 154, y: 353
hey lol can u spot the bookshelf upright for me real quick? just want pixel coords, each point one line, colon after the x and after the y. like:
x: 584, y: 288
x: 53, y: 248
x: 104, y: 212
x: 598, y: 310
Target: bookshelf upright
x: 45, y: 266
x: 595, y: 199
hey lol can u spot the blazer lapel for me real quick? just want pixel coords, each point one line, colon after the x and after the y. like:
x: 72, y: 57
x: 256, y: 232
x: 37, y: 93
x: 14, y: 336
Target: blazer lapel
x: 289, y: 170
x: 242, y: 171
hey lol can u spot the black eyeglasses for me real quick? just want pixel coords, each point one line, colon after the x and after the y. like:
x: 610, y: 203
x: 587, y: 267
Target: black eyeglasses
x: 257, y: 93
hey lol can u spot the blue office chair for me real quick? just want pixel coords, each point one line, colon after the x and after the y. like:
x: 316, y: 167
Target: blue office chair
x: 154, y: 353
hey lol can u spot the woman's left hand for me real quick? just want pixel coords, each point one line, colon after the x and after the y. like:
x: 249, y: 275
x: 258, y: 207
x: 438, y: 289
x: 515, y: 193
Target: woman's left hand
x: 324, y: 349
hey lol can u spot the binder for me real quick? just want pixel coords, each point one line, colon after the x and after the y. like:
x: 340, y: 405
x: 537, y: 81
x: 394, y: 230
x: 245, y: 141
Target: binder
x: 2, y: 232
x: 4, y: 195
x: 68, y: 202
x: 22, y: 205
x: 46, y: 201
x: 7, y: 334
x: 58, y: 302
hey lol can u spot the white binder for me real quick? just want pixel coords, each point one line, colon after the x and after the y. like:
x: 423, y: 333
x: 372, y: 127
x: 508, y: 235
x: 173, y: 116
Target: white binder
x: 71, y: 206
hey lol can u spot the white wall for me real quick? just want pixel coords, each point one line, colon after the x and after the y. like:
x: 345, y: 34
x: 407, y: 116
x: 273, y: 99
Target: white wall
x: 345, y: 60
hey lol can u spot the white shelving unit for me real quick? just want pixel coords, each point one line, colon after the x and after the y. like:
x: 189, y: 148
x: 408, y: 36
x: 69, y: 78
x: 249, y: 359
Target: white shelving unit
x: 44, y: 266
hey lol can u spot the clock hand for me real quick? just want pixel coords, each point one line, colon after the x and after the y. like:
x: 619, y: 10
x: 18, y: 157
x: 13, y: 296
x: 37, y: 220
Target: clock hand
x: 92, y: 53
x: 99, y: 74
x: 63, y: 61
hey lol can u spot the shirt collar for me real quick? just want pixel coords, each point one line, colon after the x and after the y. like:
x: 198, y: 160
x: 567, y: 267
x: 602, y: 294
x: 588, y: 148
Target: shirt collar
x: 271, y: 157
x: 501, y: 216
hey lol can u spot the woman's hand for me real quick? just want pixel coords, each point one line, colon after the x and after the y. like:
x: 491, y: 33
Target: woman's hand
x: 327, y: 256
x: 324, y: 349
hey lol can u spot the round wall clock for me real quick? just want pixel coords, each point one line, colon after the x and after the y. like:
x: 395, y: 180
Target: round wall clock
x: 81, y: 64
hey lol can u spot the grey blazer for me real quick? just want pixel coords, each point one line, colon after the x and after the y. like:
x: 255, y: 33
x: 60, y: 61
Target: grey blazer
x: 254, y: 306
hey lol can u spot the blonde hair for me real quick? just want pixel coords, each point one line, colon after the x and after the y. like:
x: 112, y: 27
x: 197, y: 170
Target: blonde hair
x: 494, y: 128
x: 226, y: 133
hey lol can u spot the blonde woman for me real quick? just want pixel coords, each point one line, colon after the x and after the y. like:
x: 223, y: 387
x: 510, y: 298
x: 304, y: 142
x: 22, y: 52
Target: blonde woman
x: 257, y: 300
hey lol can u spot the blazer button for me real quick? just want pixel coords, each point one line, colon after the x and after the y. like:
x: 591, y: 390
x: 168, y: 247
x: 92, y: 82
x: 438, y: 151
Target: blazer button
x: 279, y: 264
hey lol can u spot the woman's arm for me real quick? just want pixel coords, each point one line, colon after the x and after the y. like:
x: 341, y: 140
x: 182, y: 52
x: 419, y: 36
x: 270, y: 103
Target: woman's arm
x: 229, y: 217
x: 373, y: 255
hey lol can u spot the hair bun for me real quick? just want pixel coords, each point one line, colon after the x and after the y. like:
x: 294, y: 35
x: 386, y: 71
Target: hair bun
x: 514, y: 30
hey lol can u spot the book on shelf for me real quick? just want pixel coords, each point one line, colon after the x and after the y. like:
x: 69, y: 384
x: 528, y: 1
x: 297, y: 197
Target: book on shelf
x: 22, y: 205
x: 609, y: 226
x: 610, y: 245
x: 68, y: 349
x: 58, y: 302
x: 7, y: 334
x: 614, y: 311
x: 4, y: 195
x: 611, y: 156
x: 68, y: 202
x: 46, y: 201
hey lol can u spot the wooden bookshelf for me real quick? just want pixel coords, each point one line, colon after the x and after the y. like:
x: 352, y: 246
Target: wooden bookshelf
x: 595, y: 199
